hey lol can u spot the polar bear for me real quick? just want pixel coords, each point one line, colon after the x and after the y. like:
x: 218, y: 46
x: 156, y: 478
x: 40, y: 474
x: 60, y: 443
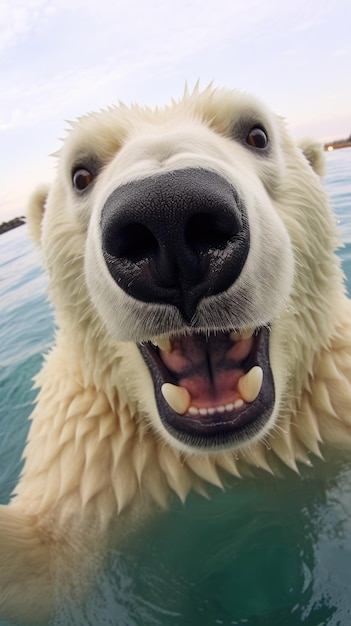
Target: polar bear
x: 202, y: 327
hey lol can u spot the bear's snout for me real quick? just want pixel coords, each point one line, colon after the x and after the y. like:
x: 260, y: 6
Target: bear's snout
x: 175, y: 238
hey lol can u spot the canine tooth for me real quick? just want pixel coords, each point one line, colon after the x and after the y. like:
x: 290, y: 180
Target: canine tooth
x: 164, y: 343
x: 178, y: 398
x: 250, y: 384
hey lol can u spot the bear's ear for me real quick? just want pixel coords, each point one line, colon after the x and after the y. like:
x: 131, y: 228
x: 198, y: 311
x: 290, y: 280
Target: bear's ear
x: 35, y: 211
x: 313, y: 151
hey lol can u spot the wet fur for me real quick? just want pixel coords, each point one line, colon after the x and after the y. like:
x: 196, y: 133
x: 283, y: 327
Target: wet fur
x: 97, y: 457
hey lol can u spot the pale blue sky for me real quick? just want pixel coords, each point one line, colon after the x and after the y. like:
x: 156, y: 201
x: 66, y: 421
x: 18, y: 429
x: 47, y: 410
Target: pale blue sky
x: 61, y: 58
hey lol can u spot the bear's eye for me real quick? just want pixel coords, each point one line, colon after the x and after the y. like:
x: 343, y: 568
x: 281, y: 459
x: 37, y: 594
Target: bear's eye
x: 81, y: 179
x: 257, y: 138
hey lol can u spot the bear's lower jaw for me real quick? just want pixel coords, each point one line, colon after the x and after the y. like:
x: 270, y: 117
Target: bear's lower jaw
x: 213, y: 391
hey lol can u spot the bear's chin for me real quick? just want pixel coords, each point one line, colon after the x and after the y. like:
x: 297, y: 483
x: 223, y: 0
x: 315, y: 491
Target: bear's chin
x: 213, y: 390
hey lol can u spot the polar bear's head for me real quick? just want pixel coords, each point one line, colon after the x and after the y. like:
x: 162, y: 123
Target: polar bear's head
x: 195, y: 244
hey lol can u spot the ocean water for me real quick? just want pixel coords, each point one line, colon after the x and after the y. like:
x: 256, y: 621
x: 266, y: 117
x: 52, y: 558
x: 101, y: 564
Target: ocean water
x: 266, y: 551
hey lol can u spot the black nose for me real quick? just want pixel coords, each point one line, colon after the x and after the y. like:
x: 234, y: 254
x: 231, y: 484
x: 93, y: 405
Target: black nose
x: 175, y: 238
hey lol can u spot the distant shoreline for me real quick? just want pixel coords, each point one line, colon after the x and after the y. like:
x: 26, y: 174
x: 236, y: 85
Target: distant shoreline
x: 329, y: 147
x: 14, y: 223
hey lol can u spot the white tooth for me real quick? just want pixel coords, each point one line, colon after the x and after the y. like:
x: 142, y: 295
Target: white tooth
x: 249, y: 385
x: 203, y: 411
x: 178, y: 398
x: 163, y: 343
x: 193, y: 410
x: 211, y: 411
x: 229, y: 407
x: 238, y: 403
x: 220, y: 409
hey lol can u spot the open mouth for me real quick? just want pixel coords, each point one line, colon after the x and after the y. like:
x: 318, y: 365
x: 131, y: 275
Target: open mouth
x: 212, y: 390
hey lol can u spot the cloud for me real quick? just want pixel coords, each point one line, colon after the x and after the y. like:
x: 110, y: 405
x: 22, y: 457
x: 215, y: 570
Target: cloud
x: 73, y: 55
x: 19, y: 17
x: 61, y: 58
x: 13, y: 121
x: 343, y: 52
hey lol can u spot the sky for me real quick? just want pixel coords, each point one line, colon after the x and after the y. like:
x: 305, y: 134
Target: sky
x: 62, y: 58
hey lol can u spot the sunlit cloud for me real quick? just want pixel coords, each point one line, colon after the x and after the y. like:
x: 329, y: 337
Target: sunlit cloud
x: 20, y: 17
x: 343, y: 52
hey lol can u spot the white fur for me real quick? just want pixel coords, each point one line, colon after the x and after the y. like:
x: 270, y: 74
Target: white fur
x: 98, y: 457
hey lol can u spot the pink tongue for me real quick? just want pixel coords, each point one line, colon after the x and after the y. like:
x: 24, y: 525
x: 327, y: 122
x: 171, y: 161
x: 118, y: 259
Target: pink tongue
x: 221, y: 390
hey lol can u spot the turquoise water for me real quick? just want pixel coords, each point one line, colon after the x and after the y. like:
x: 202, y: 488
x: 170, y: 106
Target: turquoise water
x: 267, y: 551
